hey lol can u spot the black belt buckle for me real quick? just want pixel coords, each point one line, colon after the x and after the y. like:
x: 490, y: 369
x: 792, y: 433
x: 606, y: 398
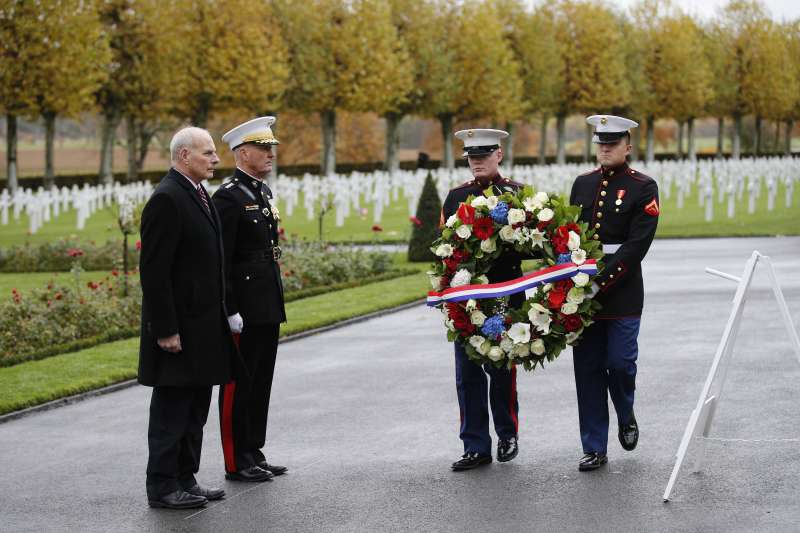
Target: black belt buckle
x: 276, y: 252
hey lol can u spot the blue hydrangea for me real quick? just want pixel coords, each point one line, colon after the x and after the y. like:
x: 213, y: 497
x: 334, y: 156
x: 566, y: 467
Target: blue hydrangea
x: 500, y: 213
x: 493, y: 327
x: 564, y: 258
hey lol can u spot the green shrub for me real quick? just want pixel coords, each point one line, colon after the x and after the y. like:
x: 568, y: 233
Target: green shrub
x: 426, y: 224
x: 60, y: 256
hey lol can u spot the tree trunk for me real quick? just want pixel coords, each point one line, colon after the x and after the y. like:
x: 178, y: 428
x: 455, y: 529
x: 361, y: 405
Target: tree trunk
x: 690, y: 149
x: 11, y: 153
x: 328, y: 142
x: 736, y: 149
x: 774, y: 148
x: 200, y: 118
x: 757, y: 140
x: 561, y: 122
x: 446, y: 122
x: 49, y: 141
x: 543, y: 140
x: 679, y: 150
x: 650, y: 154
x: 132, y: 127
x: 146, y: 134
x: 787, y: 143
x: 508, y: 150
x: 587, y: 153
x: 108, y: 133
x: 391, y: 162
x: 720, y: 136
x: 636, y: 139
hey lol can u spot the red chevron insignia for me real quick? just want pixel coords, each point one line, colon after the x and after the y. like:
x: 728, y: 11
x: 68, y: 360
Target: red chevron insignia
x: 652, y: 208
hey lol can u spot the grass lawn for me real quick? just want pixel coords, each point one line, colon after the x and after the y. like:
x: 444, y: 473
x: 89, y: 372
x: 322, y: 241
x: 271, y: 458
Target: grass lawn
x: 26, y: 281
x: 36, y: 382
x: 686, y: 222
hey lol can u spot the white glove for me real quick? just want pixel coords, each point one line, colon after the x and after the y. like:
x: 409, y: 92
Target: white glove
x: 236, y: 323
x: 595, y: 290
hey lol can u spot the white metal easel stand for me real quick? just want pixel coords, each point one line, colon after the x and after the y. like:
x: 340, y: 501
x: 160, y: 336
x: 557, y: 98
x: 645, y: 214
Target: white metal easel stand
x: 703, y: 415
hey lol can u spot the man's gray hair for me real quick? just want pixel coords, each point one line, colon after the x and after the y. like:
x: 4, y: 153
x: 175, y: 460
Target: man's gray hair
x: 184, y: 138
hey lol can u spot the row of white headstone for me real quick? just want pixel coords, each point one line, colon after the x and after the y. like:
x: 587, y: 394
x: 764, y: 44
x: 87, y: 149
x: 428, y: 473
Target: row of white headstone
x: 726, y: 180
x: 714, y: 182
x: 43, y: 205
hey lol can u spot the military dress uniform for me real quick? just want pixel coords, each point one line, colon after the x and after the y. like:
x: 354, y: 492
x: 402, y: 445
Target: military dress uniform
x: 621, y: 204
x: 254, y: 290
x: 471, y: 378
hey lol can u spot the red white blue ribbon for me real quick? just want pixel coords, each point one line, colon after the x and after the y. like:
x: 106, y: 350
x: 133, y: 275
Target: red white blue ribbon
x: 506, y: 288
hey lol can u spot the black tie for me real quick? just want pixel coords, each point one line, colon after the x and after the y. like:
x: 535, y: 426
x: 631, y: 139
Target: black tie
x: 203, y: 198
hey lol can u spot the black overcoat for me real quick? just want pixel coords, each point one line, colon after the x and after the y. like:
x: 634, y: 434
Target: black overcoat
x: 183, y: 288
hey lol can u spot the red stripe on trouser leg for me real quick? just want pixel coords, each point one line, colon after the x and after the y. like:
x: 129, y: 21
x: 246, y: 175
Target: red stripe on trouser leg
x: 513, y: 400
x: 227, y: 426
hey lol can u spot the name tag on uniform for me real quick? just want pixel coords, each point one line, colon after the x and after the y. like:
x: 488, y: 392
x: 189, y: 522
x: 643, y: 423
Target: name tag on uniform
x: 253, y: 207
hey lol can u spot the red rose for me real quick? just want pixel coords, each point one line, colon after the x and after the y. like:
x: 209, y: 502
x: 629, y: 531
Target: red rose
x: 466, y: 213
x: 417, y: 222
x: 463, y: 324
x: 572, y: 322
x: 138, y: 245
x: 376, y: 228
x: 483, y: 228
x: 574, y: 227
x: 560, y: 239
x: 556, y: 298
x: 564, y: 285
x: 541, y: 226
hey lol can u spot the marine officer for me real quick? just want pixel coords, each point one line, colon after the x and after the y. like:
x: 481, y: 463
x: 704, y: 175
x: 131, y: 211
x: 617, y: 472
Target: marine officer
x: 621, y: 205
x: 484, y: 154
x: 254, y: 298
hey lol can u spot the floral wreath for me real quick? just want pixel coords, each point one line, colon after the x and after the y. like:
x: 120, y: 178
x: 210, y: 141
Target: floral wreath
x: 559, y: 292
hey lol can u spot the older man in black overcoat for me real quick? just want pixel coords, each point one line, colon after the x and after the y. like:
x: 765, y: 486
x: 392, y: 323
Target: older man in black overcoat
x: 186, y: 344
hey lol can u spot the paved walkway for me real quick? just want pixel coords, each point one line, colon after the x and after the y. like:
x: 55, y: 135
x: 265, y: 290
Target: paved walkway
x: 366, y: 419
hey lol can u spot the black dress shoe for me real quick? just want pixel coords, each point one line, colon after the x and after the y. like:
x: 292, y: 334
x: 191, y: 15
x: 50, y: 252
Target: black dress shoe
x: 276, y: 470
x: 592, y: 461
x: 180, y: 499
x: 253, y: 473
x: 507, y: 449
x: 472, y: 460
x: 207, y: 493
x: 629, y: 434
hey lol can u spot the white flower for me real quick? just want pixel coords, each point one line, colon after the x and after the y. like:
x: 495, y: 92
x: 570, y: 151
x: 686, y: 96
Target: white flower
x: 576, y: 295
x: 569, y: 308
x: 491, y: 202
x: 507, y: 233
x: 489, y: 245
x: 477, y: 318
x: 545, y: 215
x: 537, y: 237
x: 579, y: 256
x: 574, y: 241
x: 436, y: 282
x: 495, y: 353
x: 464, y: 231
x: 481, y: 280
x: 451, y: 221
x: 580, y: 279
x: 572, y: 336
x: 540, y: 318
x: 537, y: 347
x: 519, y: 235
x: 471, y: 305
x: 444, y: 250
x: 449, y: 324
x: 506, y: 344
x: 515, y: 216
x: 530, y: 204
x: 546, y: 287
x: 477, y: 342
x: 521, y: 350
x: 479, y: 201
x: 520, y: 332
x: 462, y: 277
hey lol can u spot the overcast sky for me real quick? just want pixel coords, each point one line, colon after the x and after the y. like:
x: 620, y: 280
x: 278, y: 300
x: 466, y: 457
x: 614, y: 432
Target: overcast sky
x: 779, y: 9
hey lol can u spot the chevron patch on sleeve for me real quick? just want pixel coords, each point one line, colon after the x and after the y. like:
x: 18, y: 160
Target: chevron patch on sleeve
x: 652, y: 208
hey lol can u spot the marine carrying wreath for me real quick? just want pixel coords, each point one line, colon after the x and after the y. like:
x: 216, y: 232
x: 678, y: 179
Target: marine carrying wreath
x: 558, y: 305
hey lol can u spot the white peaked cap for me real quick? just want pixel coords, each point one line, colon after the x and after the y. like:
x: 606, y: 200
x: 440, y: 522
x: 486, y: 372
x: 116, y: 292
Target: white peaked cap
x: 253, y: 131
x: 481, y: 141
x: 610, y: 128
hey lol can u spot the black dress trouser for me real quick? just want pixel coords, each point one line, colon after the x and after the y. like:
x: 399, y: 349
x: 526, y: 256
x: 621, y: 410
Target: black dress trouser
x: 244, y: 403
x: 175, y: 437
